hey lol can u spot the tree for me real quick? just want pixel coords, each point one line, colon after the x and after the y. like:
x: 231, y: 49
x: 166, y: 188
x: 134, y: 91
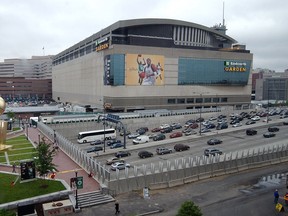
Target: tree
x: 188, y: 208
x: 44, y: 157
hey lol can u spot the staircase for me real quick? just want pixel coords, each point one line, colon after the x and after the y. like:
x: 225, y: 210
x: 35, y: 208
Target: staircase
x: 93, y: 198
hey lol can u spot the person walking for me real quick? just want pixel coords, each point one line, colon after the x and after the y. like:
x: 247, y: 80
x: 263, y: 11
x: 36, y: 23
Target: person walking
x: 276, y: 196
x: 117, y: 211
x: 286, y: 198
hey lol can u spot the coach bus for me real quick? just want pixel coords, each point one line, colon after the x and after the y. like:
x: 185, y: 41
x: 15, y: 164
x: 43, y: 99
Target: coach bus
x: 89, y: 136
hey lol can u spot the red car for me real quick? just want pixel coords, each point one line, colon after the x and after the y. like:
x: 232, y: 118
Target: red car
x: 176, y: 134
x: 194, y: 126
x: 156, y: 130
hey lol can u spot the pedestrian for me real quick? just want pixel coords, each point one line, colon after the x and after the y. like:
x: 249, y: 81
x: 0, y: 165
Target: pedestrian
x: 14, y: 168
x: 286, y: 198
x: 276, y: 196
x: 117, y: 211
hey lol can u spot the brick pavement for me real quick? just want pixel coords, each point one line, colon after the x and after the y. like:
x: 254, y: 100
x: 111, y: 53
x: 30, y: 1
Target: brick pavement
x: 65, y: 165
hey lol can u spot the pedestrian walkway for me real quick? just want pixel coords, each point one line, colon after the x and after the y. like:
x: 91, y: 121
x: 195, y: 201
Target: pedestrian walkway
x: 67, y: 168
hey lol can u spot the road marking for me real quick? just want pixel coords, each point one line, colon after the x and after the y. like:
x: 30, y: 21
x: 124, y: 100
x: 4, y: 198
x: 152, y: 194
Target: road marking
x: 67, y: 171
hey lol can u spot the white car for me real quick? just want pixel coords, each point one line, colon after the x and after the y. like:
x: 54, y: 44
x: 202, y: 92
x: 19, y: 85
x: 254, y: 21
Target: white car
x: 239, y: 124
x: 119, y: 166
x: 163, y: 126
x: 256, y: 118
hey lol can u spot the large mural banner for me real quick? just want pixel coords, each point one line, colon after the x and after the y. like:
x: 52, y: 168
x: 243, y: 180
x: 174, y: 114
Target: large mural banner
x: 143, y: 69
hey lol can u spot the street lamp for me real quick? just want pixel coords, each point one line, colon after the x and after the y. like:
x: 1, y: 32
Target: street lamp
x: 76, y: 197
x: 38, y: 138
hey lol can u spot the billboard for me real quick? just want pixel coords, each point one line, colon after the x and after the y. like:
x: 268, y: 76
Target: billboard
x: 27, y: 170
x: 144, y: 69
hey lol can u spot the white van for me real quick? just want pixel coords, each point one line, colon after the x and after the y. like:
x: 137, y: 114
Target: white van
x: 141, y: 139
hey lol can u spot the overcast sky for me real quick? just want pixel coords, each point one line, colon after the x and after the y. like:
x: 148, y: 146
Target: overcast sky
x: 26, y: 26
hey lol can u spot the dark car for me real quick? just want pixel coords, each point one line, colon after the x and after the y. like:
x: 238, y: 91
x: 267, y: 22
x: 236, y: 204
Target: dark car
x: 285, y: 123
x: 251, y: 132
x: 210, y: 126
x: 142, y: 129
x: 273, y: 129
x: 167, y: 130
x: 176, y: 134
x: 250, y: 122
x: 177, y: 126
x: 221, y: 126
x: 94, y: 149
x: 212, y: 151
x: 96, y: 142
x: 117, y: 145
x: 200, y: 119
x: 214, y: 141
x: 181, y: 147
x: 145, y: 154
x: 159, y: 137
x: 111, y: 142
x: 269, y: 134
x: 194, y: 125
x: 121, y: 154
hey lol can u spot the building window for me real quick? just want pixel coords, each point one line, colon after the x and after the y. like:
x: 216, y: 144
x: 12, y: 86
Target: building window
x: 224, y: 99
x: 207, y: 100
x: 216, y: 100
x: 199, y: 100
x: 171, y: 101
x: 180, y: 101
x: 190, y: 100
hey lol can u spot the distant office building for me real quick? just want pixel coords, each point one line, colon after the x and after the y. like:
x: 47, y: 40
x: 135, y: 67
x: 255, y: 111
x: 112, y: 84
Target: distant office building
x: 154, y: 64
x: 272, y: 86
x: 26, y: 78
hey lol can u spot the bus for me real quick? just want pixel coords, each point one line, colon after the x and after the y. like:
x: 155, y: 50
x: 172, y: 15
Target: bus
x: 89, y: 136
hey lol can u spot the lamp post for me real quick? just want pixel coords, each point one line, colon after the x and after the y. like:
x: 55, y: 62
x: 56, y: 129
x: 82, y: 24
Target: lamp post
x: 200, y: 122
x: 267, y: 117
x: 76, y: 192
x: 27, y: 136
x: 38, y: 138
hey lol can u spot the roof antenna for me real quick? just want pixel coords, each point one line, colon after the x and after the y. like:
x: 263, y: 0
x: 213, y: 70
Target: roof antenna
x: 223, y: 14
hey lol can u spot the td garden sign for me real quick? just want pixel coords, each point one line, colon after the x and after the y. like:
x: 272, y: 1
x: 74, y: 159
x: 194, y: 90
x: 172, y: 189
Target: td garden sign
x: 231, y: 66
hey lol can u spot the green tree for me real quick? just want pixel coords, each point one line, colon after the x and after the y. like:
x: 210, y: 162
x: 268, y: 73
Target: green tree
x: 44, y: 157
x: 10, y: 115
x: 188, y: 208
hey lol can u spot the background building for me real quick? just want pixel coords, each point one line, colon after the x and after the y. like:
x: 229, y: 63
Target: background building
x: 191, y: 66
x: 22, y: 79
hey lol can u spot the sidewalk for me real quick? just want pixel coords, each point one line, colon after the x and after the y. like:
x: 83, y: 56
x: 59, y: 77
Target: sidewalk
x: 65, y: 165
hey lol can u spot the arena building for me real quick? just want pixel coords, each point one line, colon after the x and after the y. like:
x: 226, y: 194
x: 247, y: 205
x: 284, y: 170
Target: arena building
x: 154, y: 64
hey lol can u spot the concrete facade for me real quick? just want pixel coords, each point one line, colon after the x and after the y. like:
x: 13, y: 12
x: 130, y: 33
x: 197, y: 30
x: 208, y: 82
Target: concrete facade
x: 80, y: 80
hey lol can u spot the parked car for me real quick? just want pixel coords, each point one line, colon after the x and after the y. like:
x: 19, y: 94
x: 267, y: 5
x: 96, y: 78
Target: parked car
x: 156, y: 130
x: 181, y: 147
x: 127, y: 133
x: 133, y: 135
x: 141, y: 139
x: 194, y: 125
x: 142, y: 129
x: 250, y: 122
x: 269, y: 134
x: 285, y: 123
x: 190, y: 132
x: 145, y: 154
x: 163, y: 150
x: 176, y: 134
x: 117, y: 145
x: 94, y: 149
x: 163, y: 126
x: 212, y: 151
x: 121, y: 154
x: 159, y: 137
x: 273, y: 129
x: 221, y: 126
x: 214, y: 141
x: 176, y: 126
x: 167, y: 130
x: 256, y: 118
x: 251, y: 132
x: 113, y: 160
x: 119, y: 166
x: 239, y: 124
x: 112, y: 142
x: 210, y: 126
x: 96, y: 142
x: 204, y: 130
x: 200, y: 119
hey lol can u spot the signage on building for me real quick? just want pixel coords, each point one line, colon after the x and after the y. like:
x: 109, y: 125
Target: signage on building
x: 107, y: 75
x: 232, y: 66
x: 27, y: 170
x: 102, y: 43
